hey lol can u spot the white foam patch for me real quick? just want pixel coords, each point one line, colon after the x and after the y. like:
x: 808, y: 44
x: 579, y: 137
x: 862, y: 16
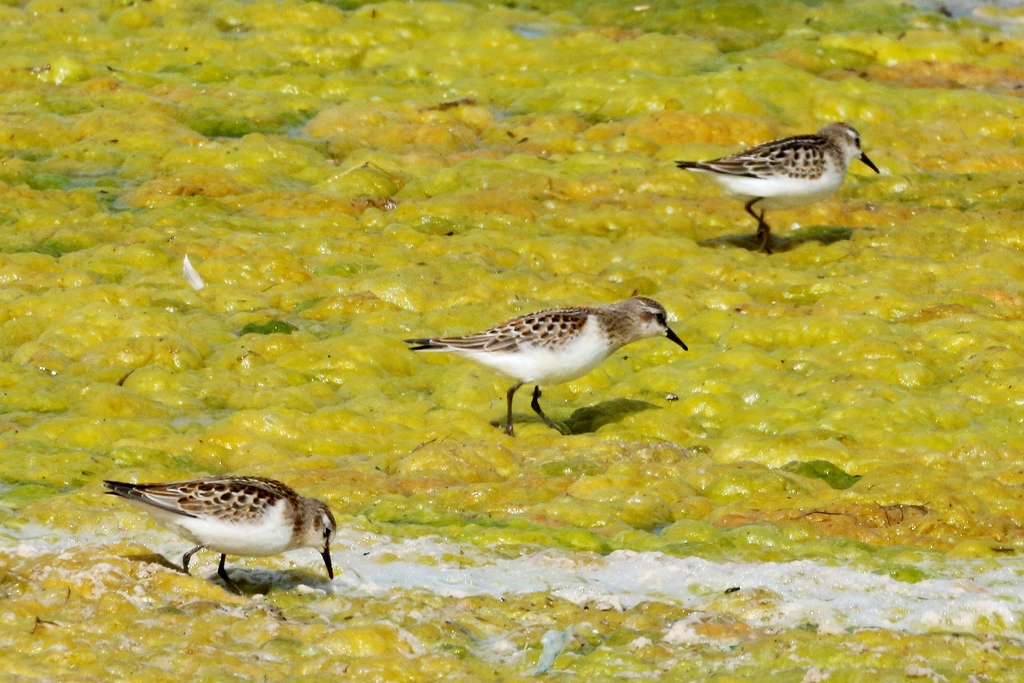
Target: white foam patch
x: 983, y: 597
x: 788, y: 594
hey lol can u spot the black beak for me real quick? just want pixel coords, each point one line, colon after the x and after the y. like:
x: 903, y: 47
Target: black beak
x: 672, y: 335
x: 327, y: 561
x: 864, y: 158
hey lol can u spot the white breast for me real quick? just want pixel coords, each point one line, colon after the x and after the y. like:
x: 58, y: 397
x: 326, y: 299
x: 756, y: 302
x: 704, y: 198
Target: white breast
x: 269, y: 535
x: 783, y: 191
x: 550, y: 365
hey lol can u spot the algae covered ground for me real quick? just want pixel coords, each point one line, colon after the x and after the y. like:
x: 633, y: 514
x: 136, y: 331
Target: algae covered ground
x: 827, y: 486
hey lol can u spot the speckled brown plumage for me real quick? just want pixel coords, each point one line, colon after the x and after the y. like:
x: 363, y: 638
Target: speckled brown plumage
x: 801, y: 156
x: 557, y: 344
x: 237, y: 515
x: 234, y: 499
x: 551, y: 328
x: 787, y: 172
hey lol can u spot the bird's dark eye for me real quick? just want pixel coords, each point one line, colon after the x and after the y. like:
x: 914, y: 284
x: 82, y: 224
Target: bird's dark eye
x: 660, y: 317
x: 327, y: 532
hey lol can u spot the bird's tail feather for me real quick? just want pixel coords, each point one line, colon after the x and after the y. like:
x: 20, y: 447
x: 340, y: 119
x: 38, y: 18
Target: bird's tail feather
x: 424, y: 345
x: 695, y: 165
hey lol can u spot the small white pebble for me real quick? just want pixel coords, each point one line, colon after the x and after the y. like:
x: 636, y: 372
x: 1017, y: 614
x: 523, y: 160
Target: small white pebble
x: 816, y: 675
x: 639, y: 643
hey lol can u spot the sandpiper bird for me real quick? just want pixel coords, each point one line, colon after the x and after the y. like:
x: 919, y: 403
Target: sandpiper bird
x: 557, y: 345
x: 788, y: 172
x: 235, y: 516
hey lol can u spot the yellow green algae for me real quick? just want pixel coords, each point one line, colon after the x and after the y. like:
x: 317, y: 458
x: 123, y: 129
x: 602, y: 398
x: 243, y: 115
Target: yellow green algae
x: 346, y: 176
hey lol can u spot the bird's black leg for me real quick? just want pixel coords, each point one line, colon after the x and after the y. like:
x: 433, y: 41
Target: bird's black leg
x: 764, y: 235
x: 223, y: 573
x: 508, y: 425
x: 535, y: 404
x: 187, y: 557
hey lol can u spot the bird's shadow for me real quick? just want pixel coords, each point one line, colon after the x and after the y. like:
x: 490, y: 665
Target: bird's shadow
x: 823, y: 234
x: 244, y: 581
x: 249, y: 582
x: 588, y: 420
